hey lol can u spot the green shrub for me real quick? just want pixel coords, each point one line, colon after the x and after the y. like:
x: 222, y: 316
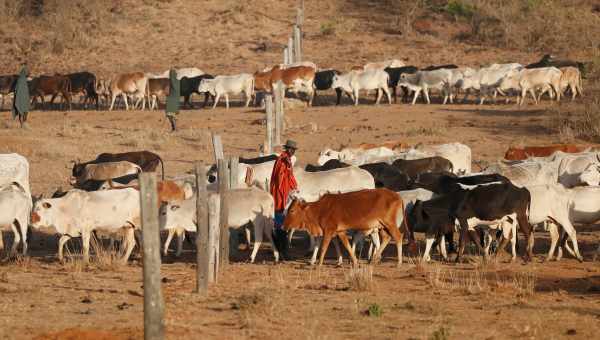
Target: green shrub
x: 374, y: 310
x: 458, y: 8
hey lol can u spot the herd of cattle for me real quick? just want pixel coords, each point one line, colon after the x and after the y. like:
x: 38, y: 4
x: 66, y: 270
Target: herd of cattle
x: 384, y: 191
x: 548, y: 75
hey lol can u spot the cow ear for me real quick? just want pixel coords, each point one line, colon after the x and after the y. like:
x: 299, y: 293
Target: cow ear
x: 46, y: 205
x: 174, y: 207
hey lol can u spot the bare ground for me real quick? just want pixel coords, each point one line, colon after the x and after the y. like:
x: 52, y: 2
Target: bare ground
x: 45, y: 299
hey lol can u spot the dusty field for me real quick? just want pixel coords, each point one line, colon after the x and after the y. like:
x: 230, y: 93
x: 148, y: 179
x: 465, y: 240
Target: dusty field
x: 47, y: 300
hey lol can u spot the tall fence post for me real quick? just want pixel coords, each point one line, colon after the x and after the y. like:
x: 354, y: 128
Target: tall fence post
x: 217, y: 147
x: 223, y: 170
x: 286, y: 55
x: 291, y: 50
x: 234, y: 176
x: 297, y: 44
x: 279, y: 91
x: 214, y: 234
x: 154, y: 327
x: 270, y: 124
x: 202, y: 232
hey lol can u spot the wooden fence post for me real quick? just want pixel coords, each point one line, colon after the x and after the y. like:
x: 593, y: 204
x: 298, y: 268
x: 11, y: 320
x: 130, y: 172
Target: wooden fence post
x: 285, y: 56
x: 217, y: 147
x: 270, y: 124
x: 154, y: 327
x: 300, y: 15
x: 297, y: 44
x: 214, y: 233
x: 224, y: 228
x: 291, y: 50
x: 234, y: 173
x: 279, y: 91
x: 202, y: 232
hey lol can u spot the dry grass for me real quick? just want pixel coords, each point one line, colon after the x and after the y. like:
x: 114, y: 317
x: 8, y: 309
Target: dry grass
x: 579, y: 123
x: 360, y: 278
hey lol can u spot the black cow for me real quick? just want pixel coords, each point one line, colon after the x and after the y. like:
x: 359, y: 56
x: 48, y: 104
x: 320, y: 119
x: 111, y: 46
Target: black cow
x: 395, y: 73
x: 146, y: 160
x: 258, y: 160
x: 549, y: 61
x: 7, y: 86
x: 438, y: 67
x: 442, y: 183
x: 414, y: 167
x: 329, y: 165
x: 324, y: 80
x: 189, y: 86
x: 387, y: 176
x: 84, y: 82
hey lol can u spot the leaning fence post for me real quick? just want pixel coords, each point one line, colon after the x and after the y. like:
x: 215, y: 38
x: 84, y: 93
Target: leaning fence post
x: 285, y: 56
x: 224, y: 227
x: 214, y: 232
x: 270, y: 126
x: 202, y: 232
x: 291, y: 50
x: 217, y: 147
x: 154, y: 327
x: 234, y: 172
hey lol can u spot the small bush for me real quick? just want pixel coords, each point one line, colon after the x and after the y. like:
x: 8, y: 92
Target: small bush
x: 459, y: 8
x: 327, y: 28
x: 441, y: 333
x: 374, y: 310
x: 360, y: 278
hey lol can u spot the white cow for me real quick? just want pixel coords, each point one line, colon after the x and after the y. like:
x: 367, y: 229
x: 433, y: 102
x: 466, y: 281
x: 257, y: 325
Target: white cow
x: 14, y: 168
x: 526, y: 173
x: 528, y: 80
x: 457, y: 153
x: 354, y: 81
x: 243, y: 206
x: 571, y: 169
x: 487, y: 79
x: 15, y: 208
x: 356, y: 156
x: 78, y: 213
x: 383, y: 64
x: 552, y: 202
x: 253, y: 175
x: 426, y: 80
x: 225, y: 85
x: 584, y: 208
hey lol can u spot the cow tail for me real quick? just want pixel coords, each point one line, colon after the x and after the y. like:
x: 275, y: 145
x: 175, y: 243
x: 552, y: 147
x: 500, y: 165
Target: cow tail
x: 162, y: 167
x: 147, y: 90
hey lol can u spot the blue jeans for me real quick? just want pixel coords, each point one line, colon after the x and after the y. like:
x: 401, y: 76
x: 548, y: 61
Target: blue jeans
x: 279, y: 218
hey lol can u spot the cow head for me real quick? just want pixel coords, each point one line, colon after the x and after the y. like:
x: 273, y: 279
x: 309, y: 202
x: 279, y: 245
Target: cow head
x: 326, y: 155
x: 43, y: 213
x: 590, y: 175
x: 297, y: 217
x: 78, y: 168
x: 207, y: 85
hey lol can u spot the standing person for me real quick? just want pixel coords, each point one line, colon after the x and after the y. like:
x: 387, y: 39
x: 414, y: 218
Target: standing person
x: 172, y: 107
x: 282, y: 183
x: 21, y: 101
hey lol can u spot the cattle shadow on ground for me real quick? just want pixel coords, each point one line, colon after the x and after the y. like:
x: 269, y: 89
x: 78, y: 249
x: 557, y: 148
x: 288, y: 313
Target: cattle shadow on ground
x: 513, y: 111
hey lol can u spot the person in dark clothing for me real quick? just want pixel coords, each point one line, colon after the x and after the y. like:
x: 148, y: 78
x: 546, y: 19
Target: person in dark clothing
x: 21, y: 102
x: 172, y: 107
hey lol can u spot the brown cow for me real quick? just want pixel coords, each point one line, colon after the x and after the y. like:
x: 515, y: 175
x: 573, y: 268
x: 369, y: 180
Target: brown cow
x: 167, y: 190
x: 364, y: 210
x: 157, y: 87
x: 135, y: 84
x: 517, y: 154
x: 50, y: 85
x: 296, y: 78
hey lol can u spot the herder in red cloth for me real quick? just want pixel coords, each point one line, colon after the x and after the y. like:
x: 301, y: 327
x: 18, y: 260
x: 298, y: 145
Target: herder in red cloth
x: 282, y: 183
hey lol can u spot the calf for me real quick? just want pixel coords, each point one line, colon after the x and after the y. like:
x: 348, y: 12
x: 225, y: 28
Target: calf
x: 106, y: 171
x: 15, y: 208
x: 225, y: 85
x: 334, y: 214
x: 355, y: 81
x: 412, y: 168
x: 50, y: 85
x: 296, y: 79
x: 146, y: 160
x: 189, y: 86
x: 425, y: 80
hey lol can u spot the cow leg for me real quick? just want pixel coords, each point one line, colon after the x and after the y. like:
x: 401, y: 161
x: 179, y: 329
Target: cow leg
x: 85, y: 240
x: 324, y: 246
x: 249, y: 237
x: 170, y: 234
x: 387, y: 93
x: 61, y: 244
x: 338, y: 93
x: 426, y: 92
x: 355, y: 93
x: 180, y: 238
x: 416, y: 96
x: 338, y: 252
x: 216, y: 100
x: 1, y: 241
x: 378, y: 252
x: 375, y: 242
x: 346, y: 243
x: 258, y: 237
x: 112, y: 102
x: 315, y: 250
x: 269, y: 236
x: 16, y: 239
x: 475, y: 237
x: 570, y: 230
x: 226, y: 100
x: 443, y: 248
x: 554, y: 236
x: 532, y: 93
x: 206, y: 94
x: 397, y: 236
x: 428, y: 242
x: 129, y: 243
x: 378, y: 94
x: 125, y: 100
